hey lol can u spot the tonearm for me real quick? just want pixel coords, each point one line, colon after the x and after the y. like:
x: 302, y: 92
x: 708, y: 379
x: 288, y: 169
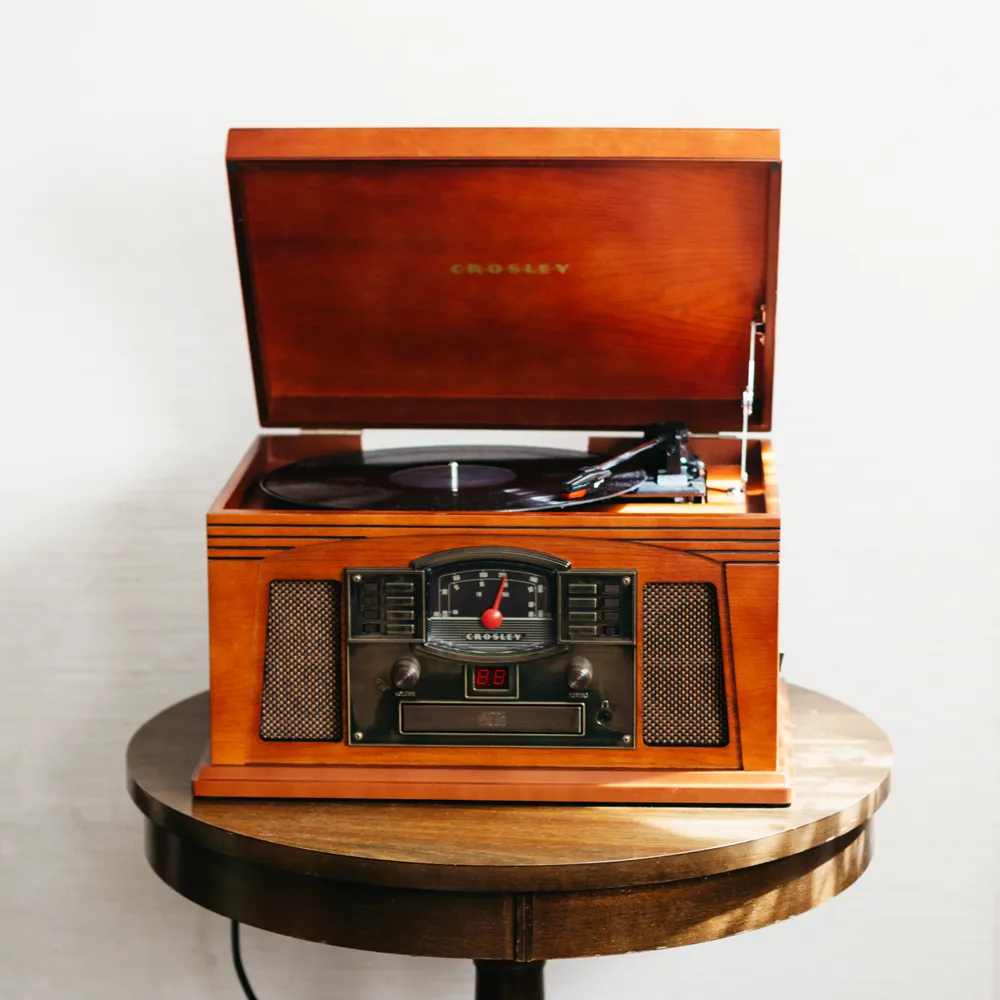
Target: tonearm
x: 672, y: 471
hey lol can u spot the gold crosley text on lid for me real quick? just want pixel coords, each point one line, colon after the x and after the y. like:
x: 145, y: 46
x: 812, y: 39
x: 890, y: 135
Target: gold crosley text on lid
x: 549, y: 278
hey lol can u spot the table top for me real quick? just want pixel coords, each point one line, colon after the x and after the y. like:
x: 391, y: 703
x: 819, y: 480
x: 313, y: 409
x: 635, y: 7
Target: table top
x: 519, y: 859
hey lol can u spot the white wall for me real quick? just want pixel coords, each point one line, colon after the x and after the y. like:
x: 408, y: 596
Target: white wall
x: 127, y: 398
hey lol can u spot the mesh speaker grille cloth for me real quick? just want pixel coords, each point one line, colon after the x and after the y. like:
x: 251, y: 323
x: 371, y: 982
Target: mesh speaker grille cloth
x: 683, y: 686
x: 301, y: 696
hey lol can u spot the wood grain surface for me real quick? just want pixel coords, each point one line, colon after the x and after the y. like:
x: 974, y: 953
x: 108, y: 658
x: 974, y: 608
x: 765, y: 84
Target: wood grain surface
x: 514, y: 883
x: 841, y: 758
x: 249, y: 545
x: 488, y: 143
x: 239, y: 594
x: 516, y: 278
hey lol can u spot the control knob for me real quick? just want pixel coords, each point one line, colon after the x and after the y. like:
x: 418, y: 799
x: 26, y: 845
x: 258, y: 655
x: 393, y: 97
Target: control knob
x: 405, y: 673
x: 579, y: 673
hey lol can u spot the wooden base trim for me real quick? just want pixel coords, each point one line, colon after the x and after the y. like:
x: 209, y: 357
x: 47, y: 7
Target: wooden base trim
x: 508, y: 784
x: 483, y: 785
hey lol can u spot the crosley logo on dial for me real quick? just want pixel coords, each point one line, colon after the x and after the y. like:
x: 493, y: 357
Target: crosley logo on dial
x: 509, y: 268
x: 494, y: 636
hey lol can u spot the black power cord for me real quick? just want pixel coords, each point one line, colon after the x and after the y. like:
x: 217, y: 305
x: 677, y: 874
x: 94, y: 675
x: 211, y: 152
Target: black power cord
x: 234, y: 938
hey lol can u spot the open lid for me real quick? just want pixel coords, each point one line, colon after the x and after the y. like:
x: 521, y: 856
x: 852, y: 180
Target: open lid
x: 508, y: 278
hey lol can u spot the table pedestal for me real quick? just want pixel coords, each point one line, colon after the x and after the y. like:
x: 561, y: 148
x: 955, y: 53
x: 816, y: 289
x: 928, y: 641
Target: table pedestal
x: 509, y: 980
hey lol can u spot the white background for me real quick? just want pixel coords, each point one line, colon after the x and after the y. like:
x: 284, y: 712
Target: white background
x: 127, y: 399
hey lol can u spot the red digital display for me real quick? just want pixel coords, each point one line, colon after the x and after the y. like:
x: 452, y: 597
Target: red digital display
x: 490, y: 678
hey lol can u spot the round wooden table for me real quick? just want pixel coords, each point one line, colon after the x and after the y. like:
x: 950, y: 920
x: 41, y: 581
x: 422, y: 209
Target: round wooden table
x: 512, y: 885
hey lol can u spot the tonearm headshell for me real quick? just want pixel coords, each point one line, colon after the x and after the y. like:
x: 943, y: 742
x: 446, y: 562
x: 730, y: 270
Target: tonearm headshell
x: 673, y: 472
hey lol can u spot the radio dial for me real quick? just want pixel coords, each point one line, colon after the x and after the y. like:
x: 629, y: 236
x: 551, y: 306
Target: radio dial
x: 579, y: 673
x: 405, y: 673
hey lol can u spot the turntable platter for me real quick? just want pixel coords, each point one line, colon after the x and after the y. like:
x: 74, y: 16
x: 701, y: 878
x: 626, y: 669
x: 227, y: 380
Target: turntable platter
x: 441, y: 479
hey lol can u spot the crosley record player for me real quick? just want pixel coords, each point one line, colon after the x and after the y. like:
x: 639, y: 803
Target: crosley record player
x: 503, y: 623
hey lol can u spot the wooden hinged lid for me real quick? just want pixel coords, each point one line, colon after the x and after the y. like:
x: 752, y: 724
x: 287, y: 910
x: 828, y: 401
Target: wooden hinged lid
x: 544, y: 278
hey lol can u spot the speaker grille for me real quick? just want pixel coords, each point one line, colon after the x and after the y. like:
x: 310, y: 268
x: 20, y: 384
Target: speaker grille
x: 683, y: 685
x: 301, y: 696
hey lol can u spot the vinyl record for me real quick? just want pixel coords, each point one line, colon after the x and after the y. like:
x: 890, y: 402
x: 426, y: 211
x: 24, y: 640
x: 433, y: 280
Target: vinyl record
x: 439, y: 479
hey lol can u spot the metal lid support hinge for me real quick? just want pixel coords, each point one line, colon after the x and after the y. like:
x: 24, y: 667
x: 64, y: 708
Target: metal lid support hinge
x: 757, y: 329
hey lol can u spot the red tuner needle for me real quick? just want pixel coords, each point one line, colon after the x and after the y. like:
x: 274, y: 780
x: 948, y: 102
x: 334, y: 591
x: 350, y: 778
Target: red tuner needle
x: 491, y: 617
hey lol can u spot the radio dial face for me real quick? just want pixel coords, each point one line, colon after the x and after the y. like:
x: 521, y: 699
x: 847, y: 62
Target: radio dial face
x: 491, y: 608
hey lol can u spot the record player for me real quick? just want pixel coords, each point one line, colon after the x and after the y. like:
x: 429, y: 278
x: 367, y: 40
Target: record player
x: 505, y: 623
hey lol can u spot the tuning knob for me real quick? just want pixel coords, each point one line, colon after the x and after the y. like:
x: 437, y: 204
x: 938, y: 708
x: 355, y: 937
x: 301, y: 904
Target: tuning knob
x: 579, y: 673
x: 405, y: 673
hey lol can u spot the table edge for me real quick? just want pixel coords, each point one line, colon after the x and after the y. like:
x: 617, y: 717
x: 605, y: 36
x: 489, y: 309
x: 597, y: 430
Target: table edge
x: 585, y: 875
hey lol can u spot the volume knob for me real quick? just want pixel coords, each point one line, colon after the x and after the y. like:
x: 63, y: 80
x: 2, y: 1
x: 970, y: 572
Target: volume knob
x: 405, y: 673
x: 579, y: 673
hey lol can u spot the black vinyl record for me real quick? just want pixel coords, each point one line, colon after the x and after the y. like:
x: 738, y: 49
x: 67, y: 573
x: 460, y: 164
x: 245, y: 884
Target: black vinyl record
x: 431, y: 479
